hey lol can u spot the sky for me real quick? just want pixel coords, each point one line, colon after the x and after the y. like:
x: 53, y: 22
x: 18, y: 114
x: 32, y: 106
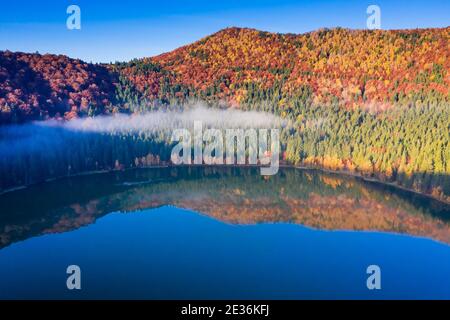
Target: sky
x: 122, y: 30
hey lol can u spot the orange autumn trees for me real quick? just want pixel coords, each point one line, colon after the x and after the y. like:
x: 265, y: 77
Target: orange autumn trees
x: 34, y: 86
x: 355, y: 67
x: 371, y: 69
x: 374, y: 103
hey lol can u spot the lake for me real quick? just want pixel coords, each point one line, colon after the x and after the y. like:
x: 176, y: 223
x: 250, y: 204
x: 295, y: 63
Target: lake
x: 222, y: 233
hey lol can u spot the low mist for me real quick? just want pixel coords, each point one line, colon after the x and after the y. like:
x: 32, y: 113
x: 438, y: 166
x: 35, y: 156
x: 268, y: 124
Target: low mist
x: 158, y: 121
x: 51, y: 135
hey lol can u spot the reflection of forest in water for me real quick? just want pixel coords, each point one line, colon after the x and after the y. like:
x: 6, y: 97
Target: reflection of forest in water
x: 232, y: 195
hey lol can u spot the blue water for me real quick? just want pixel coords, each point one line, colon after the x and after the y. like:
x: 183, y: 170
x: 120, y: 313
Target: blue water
x: 171, y: 253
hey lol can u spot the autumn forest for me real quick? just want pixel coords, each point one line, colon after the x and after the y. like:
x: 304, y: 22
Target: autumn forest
x: 368, y: 102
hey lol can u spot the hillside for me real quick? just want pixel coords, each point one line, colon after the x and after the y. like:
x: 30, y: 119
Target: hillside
x: 372, y: 69
x: 34, y: 86
x: 371, y: 103
x: 239, y: 67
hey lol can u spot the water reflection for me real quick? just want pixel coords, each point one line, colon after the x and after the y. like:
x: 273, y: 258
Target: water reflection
x: 232, y: 195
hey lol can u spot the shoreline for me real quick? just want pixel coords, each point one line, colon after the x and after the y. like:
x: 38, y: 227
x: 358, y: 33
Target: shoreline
x: 371, y: 180
x: 323, y: 170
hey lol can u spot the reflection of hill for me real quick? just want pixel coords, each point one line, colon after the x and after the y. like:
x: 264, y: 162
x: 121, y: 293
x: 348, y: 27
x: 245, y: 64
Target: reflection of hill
x: 232, y: 195
x: 323, y: 212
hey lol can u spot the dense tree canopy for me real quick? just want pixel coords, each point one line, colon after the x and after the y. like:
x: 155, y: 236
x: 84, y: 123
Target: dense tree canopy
x: 375, y: 103
x: 371, y: 69
x: 34, y: 86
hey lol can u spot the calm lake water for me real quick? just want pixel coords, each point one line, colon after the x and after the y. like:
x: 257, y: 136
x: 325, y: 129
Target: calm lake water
x: 212, y: 233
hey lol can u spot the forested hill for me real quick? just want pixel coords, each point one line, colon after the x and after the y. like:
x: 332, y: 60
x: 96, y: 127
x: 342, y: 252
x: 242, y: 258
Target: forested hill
x: 373, y: 70
x: 34, y: 86
x: 343, y: 92
x: 354, y: 67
